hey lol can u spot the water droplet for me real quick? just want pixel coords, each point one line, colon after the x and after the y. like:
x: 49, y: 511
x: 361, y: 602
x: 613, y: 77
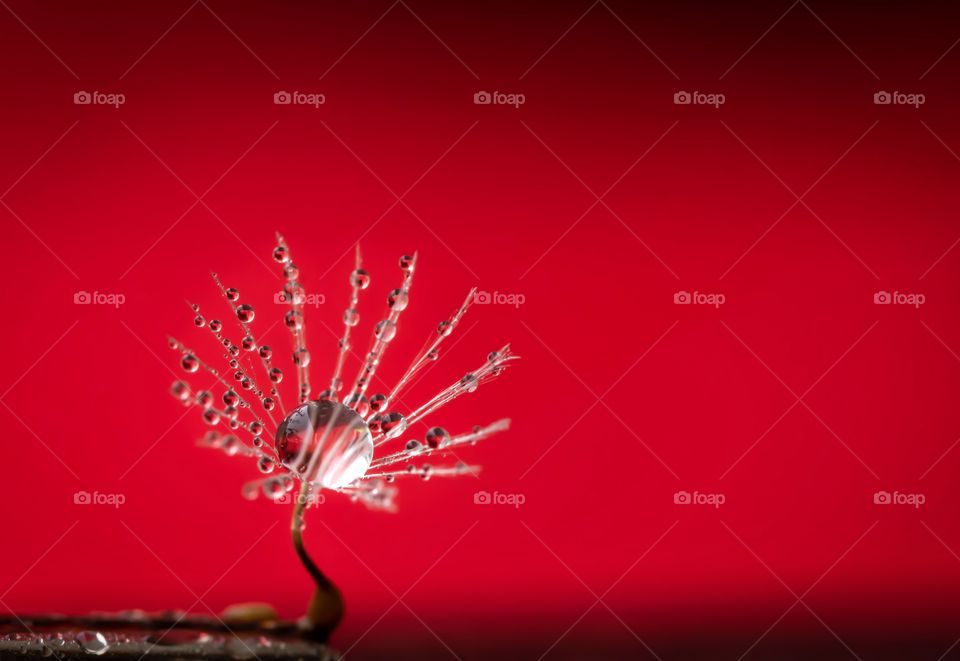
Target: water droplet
x: 231, y: 412
x: 273, y: 488
x: 398, y: 299
x: 378, y: 402
x: 301, y: 357
x: 257, y: 442
x: 444, y: 328
x: 351, y: 317
x: 232, y: 294
x: 216, y: 325
x: 248, y: 343
x: 211, y: 417
x: 189, y: 363
x: 280, y: 254
x: 425, y: 472
x: 233, y: 350
x: 246, y: 383
x: 413, y: 446
x: 268, y: 403
x: 245, y: 313
x: 276, y: 374
x: 393, y: 424
x: 493, y: 357
x: 359, y: 403
x: 325, y: 396
x: 436, y: 437
x: 199, y: 321
x: 433, y: 354
x: 256, y: 427
x: 92, y: 642
x: 265, y: 352
x: 265, y: 465
x: 205, y: 398
x: 230, y: 398
x: 386, y: 330
x: 469, y: 382
x: 360, y: 278
x: 293, y: 320
x: 291, y: 271
x: 180, y: 390
x: 333, y: 434
x: 231, y: 445
x: 406, y: 262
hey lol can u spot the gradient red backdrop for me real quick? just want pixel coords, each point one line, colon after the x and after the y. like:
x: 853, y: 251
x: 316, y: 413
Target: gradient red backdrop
x: 596, y: 200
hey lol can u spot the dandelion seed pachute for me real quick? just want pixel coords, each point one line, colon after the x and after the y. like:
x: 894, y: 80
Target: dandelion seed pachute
x: 340, y: 439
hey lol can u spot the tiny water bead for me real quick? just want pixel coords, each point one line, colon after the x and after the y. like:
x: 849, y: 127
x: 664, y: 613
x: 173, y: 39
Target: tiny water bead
x: 180, y: 390
x: 351, y: 317
x: 436, y: 436
x: 232, y: 294
x: 328, y: 440
x: 386, y: 330
x: 199, y: 321
x: 398, y: 300
x: 216, y: 325
x: 360, y: 278
x: 280, y: 254
x: 469, y: 382
x: 276, y: 374
x: 245, y: 313
x: 301, y: 357
x: 406, y: 262
x: 265, y: 352
x: 189, y: 363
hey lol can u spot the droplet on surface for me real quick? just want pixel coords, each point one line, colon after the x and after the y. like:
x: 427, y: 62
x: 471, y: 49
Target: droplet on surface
x: 406, y: 262
x: 351, y: 317
x: 398, y: 300
x: 393, y: 424
x: 444, y: 328
x: 280, y: 254
x: 301, y: 357
x: 92, y: 642
x: 469, y: 382
x: 232, y: 294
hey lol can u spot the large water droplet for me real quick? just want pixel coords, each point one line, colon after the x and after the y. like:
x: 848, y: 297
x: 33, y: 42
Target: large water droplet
x: 333, y: 430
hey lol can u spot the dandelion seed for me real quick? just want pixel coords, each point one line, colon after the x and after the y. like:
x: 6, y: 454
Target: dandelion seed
x: 331, y: 441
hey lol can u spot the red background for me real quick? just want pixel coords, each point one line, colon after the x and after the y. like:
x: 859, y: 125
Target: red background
x: 691, y: 397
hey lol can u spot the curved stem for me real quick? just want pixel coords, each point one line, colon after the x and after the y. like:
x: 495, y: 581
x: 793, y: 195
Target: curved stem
x: 325, y: 609
x: 296, y: 531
